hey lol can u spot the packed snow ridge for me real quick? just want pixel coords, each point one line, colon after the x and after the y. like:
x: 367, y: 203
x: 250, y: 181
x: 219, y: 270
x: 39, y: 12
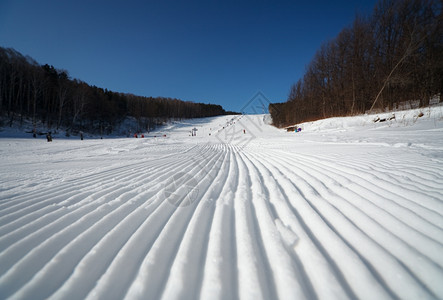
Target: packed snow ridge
x: 347, y: 208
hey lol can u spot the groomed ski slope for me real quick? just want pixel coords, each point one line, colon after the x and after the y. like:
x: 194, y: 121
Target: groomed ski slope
x: 345, y: 209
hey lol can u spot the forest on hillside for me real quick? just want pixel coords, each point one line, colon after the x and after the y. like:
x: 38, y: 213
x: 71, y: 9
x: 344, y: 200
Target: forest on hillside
x: 44, y: 94
x: 393, y: 55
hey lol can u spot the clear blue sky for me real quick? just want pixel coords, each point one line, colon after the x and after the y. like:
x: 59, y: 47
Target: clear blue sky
x: 210, y: 51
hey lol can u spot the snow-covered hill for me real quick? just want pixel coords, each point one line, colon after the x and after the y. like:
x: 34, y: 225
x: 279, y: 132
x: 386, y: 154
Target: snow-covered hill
x: 346, y: 208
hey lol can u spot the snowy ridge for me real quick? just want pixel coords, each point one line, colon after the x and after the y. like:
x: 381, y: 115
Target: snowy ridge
x: 260, y: 214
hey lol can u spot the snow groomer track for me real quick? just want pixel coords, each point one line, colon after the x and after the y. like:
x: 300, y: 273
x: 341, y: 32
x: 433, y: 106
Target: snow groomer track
x: 333, y: 212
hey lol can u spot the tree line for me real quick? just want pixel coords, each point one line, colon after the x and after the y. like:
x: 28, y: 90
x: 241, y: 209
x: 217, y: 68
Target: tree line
x: 391, y: 56
x: 46, y: 95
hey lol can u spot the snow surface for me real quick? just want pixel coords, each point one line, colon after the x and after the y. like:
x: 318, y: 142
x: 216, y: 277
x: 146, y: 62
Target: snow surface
x: 345, y: 209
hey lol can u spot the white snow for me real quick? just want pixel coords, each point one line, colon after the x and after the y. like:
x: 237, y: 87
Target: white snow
x: 346, y: 208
